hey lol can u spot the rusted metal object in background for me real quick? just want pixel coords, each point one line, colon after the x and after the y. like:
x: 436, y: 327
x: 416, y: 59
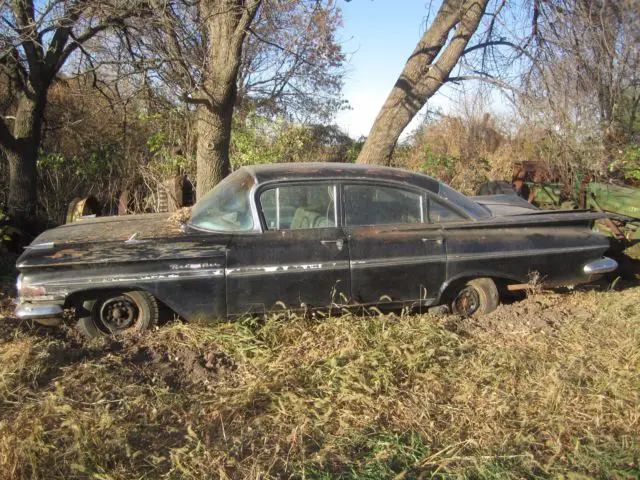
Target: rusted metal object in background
x: 168, y: 196
x: 175, y: 193
x: 82, y: 207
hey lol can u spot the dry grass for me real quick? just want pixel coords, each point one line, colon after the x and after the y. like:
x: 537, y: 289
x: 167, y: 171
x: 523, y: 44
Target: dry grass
x: 542, y: 388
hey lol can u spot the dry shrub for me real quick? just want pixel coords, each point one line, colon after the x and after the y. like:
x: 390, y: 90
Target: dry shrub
x: 350, y: 396
x: 463, y: 152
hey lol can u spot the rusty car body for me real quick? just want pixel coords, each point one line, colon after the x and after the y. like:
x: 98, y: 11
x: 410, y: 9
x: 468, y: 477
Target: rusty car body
x: 306, y: 236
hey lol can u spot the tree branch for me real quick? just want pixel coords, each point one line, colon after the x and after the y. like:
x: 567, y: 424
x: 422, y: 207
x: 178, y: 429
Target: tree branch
x: 24, y: 13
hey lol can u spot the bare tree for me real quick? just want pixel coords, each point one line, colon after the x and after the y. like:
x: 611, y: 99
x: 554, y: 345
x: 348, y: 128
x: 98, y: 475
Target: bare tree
x: 37, y: 40
x: 426, y: 70
x: 292, y: 63
x: 585, y: 86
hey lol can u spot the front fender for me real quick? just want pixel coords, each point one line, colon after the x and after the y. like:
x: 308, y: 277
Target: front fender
x: 192, y: 289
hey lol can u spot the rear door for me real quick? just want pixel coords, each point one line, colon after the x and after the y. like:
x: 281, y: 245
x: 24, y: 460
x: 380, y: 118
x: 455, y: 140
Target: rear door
x: 300, y: 260
x: 396, y: 256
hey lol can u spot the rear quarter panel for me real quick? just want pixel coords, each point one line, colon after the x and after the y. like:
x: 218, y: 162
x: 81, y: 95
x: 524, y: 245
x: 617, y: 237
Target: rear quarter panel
x: 555, y: 254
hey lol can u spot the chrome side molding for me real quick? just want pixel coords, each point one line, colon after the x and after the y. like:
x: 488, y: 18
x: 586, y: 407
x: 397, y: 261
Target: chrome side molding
x: 40, y: 246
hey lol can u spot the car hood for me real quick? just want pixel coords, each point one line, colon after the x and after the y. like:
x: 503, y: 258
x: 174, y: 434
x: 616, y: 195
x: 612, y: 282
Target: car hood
x: 112, y: 229
x: 505, y: 205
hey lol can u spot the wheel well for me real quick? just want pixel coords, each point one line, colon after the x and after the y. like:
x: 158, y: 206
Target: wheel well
x: 451, y: 289
x: 77, y: 299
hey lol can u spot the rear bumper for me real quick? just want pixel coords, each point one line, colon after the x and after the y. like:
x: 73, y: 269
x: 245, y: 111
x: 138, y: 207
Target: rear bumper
x: 600, y: 266
x: 33, y: 311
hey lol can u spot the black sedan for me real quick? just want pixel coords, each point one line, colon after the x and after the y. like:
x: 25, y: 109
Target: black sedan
x: 306, y: 236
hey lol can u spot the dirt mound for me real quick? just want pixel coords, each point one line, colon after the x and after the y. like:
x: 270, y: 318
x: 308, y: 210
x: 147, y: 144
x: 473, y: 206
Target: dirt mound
x: 178, y: 365
x: 149, y: 358
x: 544, y: 313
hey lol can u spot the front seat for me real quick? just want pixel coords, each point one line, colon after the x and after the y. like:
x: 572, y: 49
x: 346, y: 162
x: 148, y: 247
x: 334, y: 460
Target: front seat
x: 303, y: 218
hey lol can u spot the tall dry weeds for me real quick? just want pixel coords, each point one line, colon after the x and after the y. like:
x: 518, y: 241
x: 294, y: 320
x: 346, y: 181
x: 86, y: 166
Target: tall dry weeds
x: 544, y: 388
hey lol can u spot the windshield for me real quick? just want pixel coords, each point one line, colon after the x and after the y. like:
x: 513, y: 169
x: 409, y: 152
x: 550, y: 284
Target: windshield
x: 465, y: 203
x: 226, y: 208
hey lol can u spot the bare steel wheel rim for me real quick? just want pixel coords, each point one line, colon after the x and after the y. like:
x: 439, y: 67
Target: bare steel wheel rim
x: 467, y: 302
x: 119, y: 313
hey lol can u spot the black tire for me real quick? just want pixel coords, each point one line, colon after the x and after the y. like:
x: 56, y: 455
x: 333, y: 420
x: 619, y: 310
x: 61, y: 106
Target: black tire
x: 119, y: 314
x: 476, y: 297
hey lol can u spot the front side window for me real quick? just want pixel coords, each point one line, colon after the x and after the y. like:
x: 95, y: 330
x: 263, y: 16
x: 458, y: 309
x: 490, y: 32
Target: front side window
x: 382, y: 205
x: 226, y: 208
x: 294, y: 207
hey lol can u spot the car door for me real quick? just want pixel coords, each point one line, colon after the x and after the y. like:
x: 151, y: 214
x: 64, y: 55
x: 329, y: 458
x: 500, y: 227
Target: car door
x: 300, y: 260
x: 396, y: 256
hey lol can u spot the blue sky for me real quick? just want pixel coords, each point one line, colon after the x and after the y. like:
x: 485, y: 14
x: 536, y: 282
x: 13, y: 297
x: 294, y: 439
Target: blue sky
x: 378, y: 37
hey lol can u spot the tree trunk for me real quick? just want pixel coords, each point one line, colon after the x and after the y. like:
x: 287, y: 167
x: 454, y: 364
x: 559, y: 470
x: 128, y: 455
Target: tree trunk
x: 421, y: 77
x: 22, y: 157
x: 212, y: 150
x: 227, y: 23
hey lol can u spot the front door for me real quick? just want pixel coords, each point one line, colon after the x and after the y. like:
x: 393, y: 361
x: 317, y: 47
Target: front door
x: 300, y: 261
x: 396, y: 256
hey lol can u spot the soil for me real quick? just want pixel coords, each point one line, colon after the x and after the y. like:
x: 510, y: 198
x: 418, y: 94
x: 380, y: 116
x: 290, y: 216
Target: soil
x: 542, y: 312
x: 178, y: 365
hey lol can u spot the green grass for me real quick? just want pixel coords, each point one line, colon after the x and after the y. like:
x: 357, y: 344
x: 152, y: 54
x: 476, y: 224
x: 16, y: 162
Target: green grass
x: 342, y: 397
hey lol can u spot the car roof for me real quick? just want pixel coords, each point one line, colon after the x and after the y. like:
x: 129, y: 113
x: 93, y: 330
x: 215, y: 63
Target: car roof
x: 318, y: 170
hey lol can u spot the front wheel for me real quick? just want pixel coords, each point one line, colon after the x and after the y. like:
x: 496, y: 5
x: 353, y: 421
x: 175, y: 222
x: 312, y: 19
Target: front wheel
x: 119, y: 314
x: 476, y: 297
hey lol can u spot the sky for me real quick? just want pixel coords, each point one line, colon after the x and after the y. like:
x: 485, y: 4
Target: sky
x: 378, y: 37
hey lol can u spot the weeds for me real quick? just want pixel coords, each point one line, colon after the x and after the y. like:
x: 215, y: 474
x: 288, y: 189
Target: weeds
x: 340, y: 397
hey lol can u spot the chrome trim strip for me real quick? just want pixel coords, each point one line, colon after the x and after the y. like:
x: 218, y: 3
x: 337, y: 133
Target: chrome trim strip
x: 161, y: 276
x: 286, y: 268
x: 41, y: 246
x: 602, y: 265
x: 519, y: 253
x: 28, y: 311
x: 397, y: 261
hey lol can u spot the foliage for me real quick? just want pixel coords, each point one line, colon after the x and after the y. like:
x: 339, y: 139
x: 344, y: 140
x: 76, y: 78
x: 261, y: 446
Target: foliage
x: 166, y: 161
x: 546, y: 388
x: 9, y: 234
x: 94, y: 167
x: 627, y: 163
x: 259, y: 139
x: 458, y: 151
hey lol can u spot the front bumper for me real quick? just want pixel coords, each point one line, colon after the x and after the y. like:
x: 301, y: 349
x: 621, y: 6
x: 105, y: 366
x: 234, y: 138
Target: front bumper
x: 34, y: 311
x: 600, y: 266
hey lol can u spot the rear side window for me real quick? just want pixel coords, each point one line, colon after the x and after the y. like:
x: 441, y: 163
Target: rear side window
x: 382, y: 205
x: 295, y: 207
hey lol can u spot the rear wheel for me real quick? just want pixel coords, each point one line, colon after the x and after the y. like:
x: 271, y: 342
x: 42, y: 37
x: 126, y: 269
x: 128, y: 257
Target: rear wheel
x: 476, y: 297
x: 119, y: 314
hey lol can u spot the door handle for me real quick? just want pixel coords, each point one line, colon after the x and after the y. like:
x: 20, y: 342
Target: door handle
x: 339, y: 243
x: 437, y: 240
